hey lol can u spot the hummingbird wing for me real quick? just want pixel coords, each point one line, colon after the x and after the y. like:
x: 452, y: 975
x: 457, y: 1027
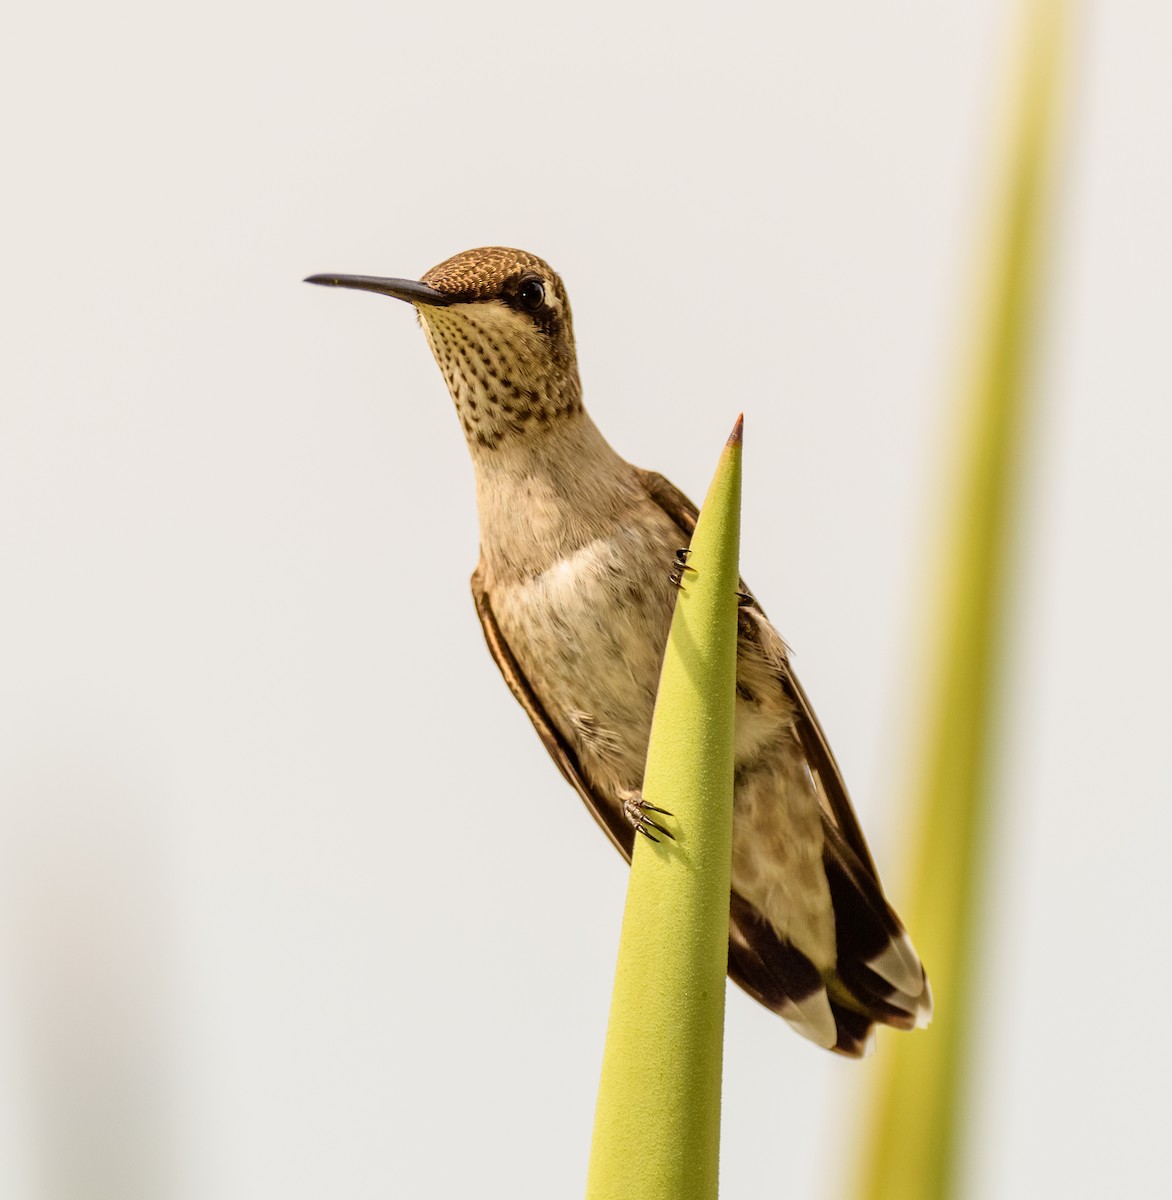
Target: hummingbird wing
x: 878, y: 976
x: 832, y: 793
x: 620, y: 831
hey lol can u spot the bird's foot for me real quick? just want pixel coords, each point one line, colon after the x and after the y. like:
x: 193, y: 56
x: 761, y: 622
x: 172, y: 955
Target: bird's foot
x: 679, y: 566
x: 635, y: 809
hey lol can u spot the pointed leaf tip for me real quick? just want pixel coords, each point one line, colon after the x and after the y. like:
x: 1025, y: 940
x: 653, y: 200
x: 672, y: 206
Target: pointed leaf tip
x: 734, y: 438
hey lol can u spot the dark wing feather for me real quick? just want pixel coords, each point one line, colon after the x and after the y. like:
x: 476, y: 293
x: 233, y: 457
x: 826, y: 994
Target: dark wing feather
x: 773, y: 971
x: 620, y: 832
x: 837, y: 806
x: 821, y: 761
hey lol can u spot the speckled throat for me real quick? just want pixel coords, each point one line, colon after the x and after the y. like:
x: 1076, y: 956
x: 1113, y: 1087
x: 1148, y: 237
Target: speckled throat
x: 511, y: 368
x: 500, y: 370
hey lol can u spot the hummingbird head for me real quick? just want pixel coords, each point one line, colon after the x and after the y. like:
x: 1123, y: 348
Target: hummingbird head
x: 498, y: 322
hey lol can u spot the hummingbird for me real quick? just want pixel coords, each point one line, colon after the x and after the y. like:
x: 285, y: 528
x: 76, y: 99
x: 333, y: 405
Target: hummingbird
x: 581, y: 556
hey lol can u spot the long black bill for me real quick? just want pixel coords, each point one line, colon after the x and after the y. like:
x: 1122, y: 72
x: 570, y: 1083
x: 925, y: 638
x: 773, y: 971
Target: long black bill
x: 401, y: 289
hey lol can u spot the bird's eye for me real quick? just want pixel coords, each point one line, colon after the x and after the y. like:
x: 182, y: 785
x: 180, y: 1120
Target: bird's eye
x: 531, y: 295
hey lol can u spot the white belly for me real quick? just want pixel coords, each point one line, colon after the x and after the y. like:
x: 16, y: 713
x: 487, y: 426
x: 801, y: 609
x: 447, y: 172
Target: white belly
x: 589, y: 634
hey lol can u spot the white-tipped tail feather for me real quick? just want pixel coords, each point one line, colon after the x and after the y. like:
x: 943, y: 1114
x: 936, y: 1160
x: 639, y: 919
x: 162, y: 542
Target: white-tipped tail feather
x: 813, y: 1018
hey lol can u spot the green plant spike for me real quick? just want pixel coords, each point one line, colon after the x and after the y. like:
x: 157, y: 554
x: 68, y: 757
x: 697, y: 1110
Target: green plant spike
x: 657, y: 1123
x: 917, y: 1117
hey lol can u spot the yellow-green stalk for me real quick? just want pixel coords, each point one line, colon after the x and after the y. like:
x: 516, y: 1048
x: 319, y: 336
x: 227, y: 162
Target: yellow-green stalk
x: 657, y: 1123
x: 916, y: 1122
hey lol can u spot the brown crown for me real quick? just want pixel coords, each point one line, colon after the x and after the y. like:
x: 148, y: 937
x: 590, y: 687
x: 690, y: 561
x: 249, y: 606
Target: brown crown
x: 485, y: 273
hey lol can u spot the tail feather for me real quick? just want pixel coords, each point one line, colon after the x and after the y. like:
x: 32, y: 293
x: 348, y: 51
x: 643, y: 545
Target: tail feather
x: 877, y: 978
x: 876, y: 960
x: 777, y: 974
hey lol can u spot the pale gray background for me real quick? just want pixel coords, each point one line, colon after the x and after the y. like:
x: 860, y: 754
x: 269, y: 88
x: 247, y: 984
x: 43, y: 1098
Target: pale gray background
x: 294, y: 904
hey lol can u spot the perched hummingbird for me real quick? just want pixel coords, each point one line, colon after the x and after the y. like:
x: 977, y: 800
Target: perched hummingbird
x: 580, y: 558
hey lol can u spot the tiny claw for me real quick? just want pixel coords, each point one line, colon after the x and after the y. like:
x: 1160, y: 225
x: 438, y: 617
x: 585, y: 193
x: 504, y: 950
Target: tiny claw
x: 656, y: 825
x: 635, y: 809
x: 681, y: 565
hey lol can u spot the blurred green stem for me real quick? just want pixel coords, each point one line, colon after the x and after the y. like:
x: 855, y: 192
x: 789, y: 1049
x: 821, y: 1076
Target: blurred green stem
x: 922, y: 1079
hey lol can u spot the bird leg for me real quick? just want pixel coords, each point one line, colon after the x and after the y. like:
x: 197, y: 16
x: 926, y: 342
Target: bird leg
x: 635, y: 809
x: 679, y: 566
